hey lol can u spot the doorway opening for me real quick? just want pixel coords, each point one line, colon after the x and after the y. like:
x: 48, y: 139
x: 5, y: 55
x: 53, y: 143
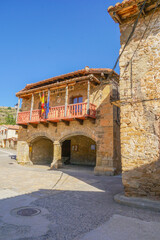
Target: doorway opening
x: 79, y: 150
x: 66, y: 151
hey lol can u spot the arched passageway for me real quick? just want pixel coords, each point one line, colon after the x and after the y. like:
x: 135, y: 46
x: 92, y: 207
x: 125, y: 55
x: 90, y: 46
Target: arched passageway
x: 41, y: 151
x: 79, y: 150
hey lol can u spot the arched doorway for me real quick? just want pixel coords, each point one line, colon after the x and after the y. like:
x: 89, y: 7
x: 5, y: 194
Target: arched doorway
x: 41, y: 151
x: 79, y: 150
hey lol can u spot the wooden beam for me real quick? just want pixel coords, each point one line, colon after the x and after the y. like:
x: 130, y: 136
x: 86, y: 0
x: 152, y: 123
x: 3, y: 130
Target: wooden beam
x: 44, y: 123
x: 53, y: 123
x: 23, y: 125
x: 67, y: 123
x: 79, y: 120
x: 34, y: 125
x: 117, y: 17
x: 92, y: 120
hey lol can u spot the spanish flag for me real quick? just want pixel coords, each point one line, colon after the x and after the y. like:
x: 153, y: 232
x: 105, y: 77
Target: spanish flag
x: 42, y: 105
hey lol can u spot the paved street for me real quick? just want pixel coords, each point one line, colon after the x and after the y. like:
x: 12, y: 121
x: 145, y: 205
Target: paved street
x: 73, y: 204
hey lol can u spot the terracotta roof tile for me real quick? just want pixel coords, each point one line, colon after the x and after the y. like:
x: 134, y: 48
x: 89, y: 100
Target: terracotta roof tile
x: 124, y: 3
x: 14, y: 127
x: 129, y: 9
x: 79, y: 73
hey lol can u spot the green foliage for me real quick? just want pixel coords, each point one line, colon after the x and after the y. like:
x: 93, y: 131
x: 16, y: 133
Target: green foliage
x: 10, y: 119
x: 9, y: 108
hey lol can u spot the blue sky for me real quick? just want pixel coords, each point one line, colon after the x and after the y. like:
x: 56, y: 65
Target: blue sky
x: 40, y: 39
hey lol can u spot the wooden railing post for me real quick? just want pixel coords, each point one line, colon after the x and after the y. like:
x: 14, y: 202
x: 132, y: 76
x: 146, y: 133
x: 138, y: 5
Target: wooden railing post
x: 66, y: 101
x: 17, y: 109
x: 88, y: 97
x: 32, y: 102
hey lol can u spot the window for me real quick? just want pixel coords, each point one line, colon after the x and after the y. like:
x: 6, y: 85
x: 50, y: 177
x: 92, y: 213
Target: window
x: 77, y: 99
x: 77, y: 109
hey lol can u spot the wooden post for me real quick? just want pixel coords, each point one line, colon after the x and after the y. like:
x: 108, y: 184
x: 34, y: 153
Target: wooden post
x: 66, y: 101
x: 32, y: 102
x: 17, y: 109
x: 48, y: 95
x: 88, y: 97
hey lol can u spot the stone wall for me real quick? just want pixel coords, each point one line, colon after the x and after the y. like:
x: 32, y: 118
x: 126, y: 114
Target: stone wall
x: 140, y: 108
x: 84, y: 154
x: 101, y: 130
x: 41, y: 151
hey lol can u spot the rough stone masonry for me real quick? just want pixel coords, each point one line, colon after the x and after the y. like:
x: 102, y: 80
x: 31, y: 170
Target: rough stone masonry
x: 43, y: 143
x: 140, y: 98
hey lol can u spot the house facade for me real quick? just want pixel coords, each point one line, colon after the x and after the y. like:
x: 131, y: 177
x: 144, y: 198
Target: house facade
x: 81, y: 127
x: 8, y: 136
x: 139, y: 95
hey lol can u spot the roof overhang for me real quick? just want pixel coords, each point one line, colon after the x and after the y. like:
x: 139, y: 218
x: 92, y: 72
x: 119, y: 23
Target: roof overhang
x: 70, y: 79
x: 129, y: 9
x: 57, y: 85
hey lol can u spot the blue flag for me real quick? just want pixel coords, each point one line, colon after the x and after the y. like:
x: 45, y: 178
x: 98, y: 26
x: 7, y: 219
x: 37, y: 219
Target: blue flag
x: 47, y: 106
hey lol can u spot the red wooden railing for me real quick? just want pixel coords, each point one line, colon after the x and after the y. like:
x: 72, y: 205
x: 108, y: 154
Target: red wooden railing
x: 56, y: 113
x: 23, y: 117
x: 36, y: 116
x: 78, y: 110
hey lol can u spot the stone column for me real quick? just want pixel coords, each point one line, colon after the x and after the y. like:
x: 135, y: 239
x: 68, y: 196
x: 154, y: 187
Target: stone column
x: 23, y: 153
x: 104, y: 165
x: 57, y: 158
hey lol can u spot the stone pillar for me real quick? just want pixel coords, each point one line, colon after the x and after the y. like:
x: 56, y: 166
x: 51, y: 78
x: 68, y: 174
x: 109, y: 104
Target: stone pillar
x: 57, y: 156
x: 23, y: 153
x: 104, y: 165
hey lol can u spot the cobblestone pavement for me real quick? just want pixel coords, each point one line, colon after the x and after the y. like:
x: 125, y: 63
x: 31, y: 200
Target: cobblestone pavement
x: 74, y: 204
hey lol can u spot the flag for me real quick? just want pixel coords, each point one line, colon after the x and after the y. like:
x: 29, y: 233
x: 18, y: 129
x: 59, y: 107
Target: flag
x: 42, y: 105
x: 47, y: 105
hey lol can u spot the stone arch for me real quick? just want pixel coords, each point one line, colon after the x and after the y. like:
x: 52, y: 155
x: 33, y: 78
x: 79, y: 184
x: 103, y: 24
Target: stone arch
x: 79, y: 148
x: 41, y: 150
x: 39, y: 135
x: 81, y: 133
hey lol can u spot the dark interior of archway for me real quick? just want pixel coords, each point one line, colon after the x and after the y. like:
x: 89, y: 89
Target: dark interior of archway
x: 79, y: 150
x: 42, y: 151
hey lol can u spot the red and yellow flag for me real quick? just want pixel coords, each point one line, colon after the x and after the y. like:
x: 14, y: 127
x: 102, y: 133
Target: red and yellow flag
x: 42, y: 104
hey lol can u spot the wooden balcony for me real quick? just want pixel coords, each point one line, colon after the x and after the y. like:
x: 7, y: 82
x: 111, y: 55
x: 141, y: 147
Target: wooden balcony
x: 56, y: 114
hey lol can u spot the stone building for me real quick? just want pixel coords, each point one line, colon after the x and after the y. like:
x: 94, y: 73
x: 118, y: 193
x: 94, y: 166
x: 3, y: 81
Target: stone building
x: 8, y: 136
x: 140, y: 96
x: 82, y: 126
